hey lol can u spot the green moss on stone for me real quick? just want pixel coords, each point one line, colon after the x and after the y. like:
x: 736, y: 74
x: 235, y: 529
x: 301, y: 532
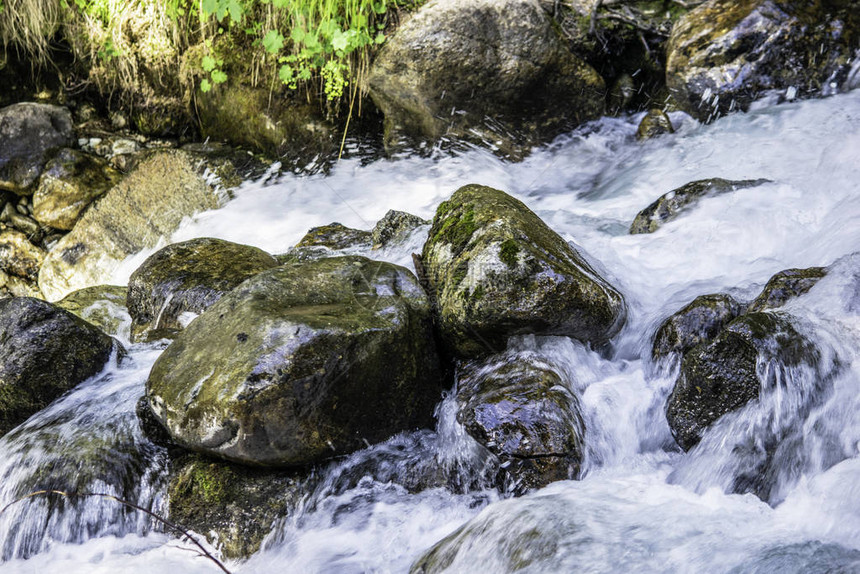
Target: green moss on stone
x: 509, y: 252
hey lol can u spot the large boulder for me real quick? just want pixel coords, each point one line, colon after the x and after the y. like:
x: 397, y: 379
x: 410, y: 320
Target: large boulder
x: 182, y: 280
x: 144, y: 207
x: 722, y: 375
x: 725, y: 54
x: 673, y: 204
x: 522, y: 411
x: 497, y: 270
x: 457, y: 62
x: 69, y: 184
x: 698, y: 322
x: 44, y: 352
x: 28, y: 133
x: 301, y: 363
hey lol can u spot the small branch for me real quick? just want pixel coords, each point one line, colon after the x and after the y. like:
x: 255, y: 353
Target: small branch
x: 171, y: 525
x: 613, y: 15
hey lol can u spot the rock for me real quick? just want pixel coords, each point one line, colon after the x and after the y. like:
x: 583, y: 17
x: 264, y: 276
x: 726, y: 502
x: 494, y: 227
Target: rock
x: 301, y: 363
x: 24, y: 224
x: 725, y: 54
x: 18, y: 287
x: 144, y: 207
x: 495, y: 270
x: 336, y: 236
x: 103, y: 306
x: 234, y: 506
x: 655, y: 123
x: 186, y: 279
x: 520, y: 409
x: 786, y: 285
x: 698, y: 322
x: 671, y: 205
x: 28, y: 133
x: 455, y: 63
x: 70, y: 182
x: 304, y: 254
x: 45, y: 351
x: 18, y: 256
x: 394, y: 226
x: 720, y: 376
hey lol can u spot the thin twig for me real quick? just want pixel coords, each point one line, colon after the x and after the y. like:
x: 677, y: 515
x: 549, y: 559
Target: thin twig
x: 171, y: 525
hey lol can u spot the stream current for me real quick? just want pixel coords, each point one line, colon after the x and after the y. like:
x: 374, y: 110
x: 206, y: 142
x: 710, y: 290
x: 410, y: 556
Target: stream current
x: 642, y: 505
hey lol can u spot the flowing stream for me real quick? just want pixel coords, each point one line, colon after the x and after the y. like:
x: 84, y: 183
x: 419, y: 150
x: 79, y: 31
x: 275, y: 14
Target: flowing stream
x: 643, y: 505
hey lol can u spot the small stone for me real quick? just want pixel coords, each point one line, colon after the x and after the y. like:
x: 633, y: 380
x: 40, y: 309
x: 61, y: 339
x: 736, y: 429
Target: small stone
x: 18, y: 256
x: 24, y: 224
x: 336, y: 236
x: 654, y: 123
x: 393, y: 226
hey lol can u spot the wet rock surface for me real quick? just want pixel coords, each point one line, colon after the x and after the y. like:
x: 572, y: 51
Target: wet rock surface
x: 655, y: 123
x: 184, y: 279
x: 495, y: 270
x: 102, y: 305
x: 786, y: 285
x: 696, y: 323
x: 394, y: 226
x: 336, y: 236
x: 28, y: 133
x: 313, y: 360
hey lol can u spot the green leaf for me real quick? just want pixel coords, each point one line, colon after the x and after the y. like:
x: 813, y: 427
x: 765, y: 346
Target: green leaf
x: 209, y: 7
x: 208, y: 63
x: 297, y: 35
x: 339, y: 40
x: 235, y: 9
x: 205, y: 86
x: 380, y: 38
x: 273, y: 41
x: 218, y: 76
x: 285, y: 73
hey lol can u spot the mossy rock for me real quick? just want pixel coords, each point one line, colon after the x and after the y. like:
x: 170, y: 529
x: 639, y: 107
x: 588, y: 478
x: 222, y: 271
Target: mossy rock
x: 522, y: 411
x: 335, y: 236
x: 44, y: 352
x: 496, y: 270
x: 301, y: 363
x: 698, y: 322
x: 102, y: 305
x: 182, y: 280
x: 725, y: 54
x: 786, y: 285
x: 393, y: 227
x: 673, y: 204
x: 234, y: 506
x: 720, y: 376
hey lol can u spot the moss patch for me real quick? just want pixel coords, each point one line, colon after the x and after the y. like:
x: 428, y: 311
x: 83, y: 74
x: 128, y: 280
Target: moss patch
x: 509, y: 253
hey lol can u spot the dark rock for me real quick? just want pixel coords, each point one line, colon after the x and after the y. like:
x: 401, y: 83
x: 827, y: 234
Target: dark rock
x: 725, y: 54
x: 678, y: 201
x: 495, y: 270
x: 336, y: 236
x: 786, y: 285
x: 655, y: 123
x: 721, y: 376
x: 301, y: 363
x: 520, y: 409
x: 698, y: 322
x: 454, y: 63
x: 70, y: 182
x: 44, y: 352
x: 102, y: 305
x: 28, y: 133
x: 187, y: 277
x: 394, y: 226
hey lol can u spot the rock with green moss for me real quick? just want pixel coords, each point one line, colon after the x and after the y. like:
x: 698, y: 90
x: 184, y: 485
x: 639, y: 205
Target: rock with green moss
x: 301, y: 363
x: 495, y: 270
x: 336, y: 236
x: 44, y: 352
x: 786, y: 285
x: 18, y: 256
x: 655, y: 123
x: 234, y: 506
x: 29, y: 132
x: 182, y: 280
x: 673, y: 204
x: 725, y: 54
x: 146, y: 206
x: 103, y: 306
x: 69, y: 184
x: 394, y: 227
x: 721, y: 376
x: 456, y: 63
x: 696, y: 323
x: 521, y: 410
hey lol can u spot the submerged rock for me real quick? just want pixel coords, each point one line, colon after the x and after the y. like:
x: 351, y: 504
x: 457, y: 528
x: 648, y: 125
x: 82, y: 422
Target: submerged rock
x: 496, y: 270
x: 655, y: 123
x: 698, y: 322
x: 725, y: 54
x: 394, y: 226
x: 28, y: 133
x: 672, y: 204
x: 786, y: 285
x: 145, y: 206
x: 103, y: 306
x: 520, y: 409
x: 455, y: 63
x: 721, y: 376
x: 69, y: 184
x: 301, y: 363
x: 182, y: 280
x: 336, y: 236
x: 45, y: 351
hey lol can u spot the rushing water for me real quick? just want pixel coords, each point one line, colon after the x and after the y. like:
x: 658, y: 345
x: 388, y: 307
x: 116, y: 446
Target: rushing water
x: 642, y: 505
